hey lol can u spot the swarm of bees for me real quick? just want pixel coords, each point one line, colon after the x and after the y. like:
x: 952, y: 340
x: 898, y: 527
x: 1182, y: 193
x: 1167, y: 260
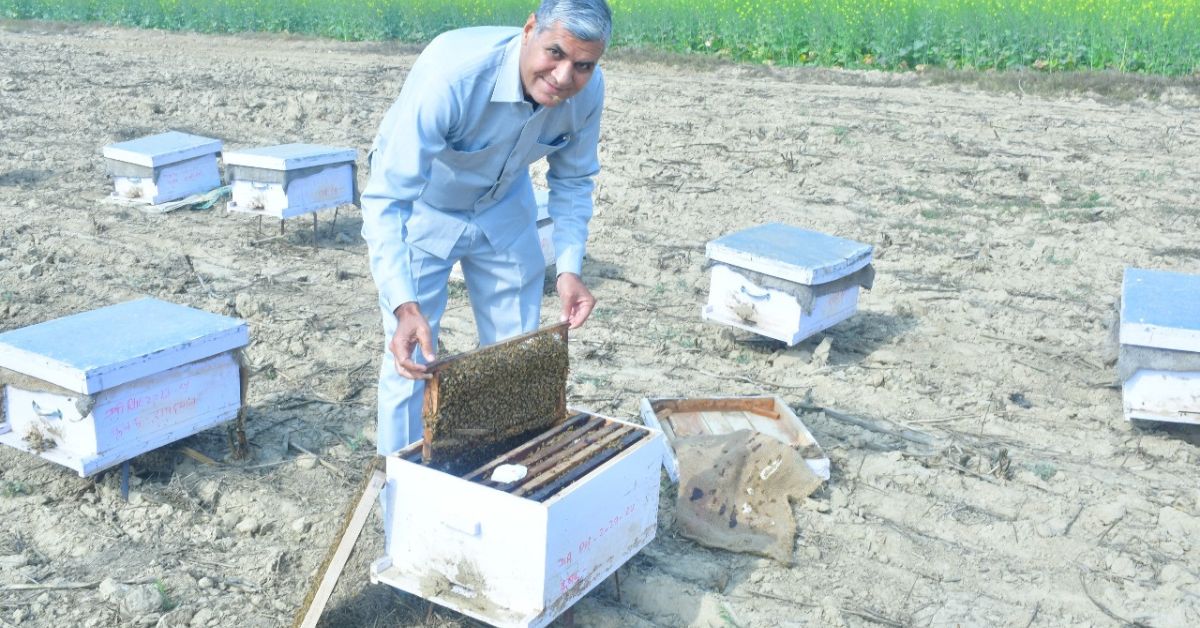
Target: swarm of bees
x: 484, y: 402
x: 40, y: 441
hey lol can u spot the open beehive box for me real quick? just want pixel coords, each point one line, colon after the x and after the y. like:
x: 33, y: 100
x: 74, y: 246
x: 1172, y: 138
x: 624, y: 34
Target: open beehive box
x: 680, y: 418
x: 520, y: 552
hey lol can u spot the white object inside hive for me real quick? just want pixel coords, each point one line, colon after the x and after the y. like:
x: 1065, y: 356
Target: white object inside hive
x: 509, y: 473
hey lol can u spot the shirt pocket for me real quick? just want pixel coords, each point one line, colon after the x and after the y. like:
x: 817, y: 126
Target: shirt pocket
x: 475, y: 168
x: 544, y: 147
x: 459, y: 178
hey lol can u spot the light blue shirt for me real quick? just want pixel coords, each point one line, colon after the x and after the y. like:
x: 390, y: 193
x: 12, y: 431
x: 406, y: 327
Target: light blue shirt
x: 456, y: 147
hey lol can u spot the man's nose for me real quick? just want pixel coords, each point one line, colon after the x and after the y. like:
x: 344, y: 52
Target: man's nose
x: 563, y: 75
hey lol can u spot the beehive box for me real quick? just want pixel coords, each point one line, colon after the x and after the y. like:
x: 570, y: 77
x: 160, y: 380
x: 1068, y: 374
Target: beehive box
x: 545, y: 230
x: 784, y: 282
x: 290, y: 179
x: 164, y: 167
x: 519, y: 552
x: 680, y: 418
x: 91, y: 390
x: 1159, y: 364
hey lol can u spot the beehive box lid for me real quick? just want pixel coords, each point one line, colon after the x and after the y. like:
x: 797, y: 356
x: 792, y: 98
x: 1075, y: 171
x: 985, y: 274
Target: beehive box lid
x: 103, y: 348
x: 165, y: 148
x: 790, y: 253
x: 290, y: 156
x: 1160, y: 309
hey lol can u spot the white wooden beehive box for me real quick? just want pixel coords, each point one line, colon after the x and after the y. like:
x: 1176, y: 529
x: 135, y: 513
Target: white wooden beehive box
x: 164, y: 167
x: 290, y: 179
x: 512, y: 560
x: 1159, y: 336
x: 91, y: 390
x: 784, y: 282
x: 545, y: 229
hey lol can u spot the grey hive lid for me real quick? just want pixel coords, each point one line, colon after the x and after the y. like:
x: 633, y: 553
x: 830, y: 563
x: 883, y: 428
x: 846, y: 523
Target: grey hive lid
x: 103, y: 348
x: 791, y: 253
x: 162, y: 149
x: 290, y: 156
x: 1160, y: 309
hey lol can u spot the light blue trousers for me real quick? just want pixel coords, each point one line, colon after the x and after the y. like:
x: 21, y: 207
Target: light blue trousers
x: 505, y: 288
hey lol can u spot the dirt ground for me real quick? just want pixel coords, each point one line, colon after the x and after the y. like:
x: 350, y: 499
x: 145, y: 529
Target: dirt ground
x: 1000, y: 486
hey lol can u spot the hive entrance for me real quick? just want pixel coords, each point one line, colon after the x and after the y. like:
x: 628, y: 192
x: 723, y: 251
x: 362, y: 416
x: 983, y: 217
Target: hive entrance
x: 484, y: 402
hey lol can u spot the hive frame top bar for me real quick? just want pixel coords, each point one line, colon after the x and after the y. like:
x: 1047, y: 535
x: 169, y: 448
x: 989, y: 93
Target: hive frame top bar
x: 437, y: 365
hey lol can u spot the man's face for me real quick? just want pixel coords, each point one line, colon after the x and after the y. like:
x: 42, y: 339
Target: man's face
x: 554, y: 64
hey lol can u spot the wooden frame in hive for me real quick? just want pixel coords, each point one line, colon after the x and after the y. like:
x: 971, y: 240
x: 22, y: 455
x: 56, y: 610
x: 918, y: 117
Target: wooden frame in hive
x: 483, y: 402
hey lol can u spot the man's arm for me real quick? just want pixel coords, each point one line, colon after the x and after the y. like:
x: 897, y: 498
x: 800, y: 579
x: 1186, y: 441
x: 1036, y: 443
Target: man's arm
x: 412, y: 133
x: 571, y: 177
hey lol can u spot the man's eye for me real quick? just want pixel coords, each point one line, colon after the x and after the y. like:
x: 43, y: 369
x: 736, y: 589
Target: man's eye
x: 555, y: 52
x: 585, y: 67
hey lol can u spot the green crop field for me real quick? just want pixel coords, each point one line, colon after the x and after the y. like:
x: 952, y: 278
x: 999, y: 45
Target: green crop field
x: 1157, y: 37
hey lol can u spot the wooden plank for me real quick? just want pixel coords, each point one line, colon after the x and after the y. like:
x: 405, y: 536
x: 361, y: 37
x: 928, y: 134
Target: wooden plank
x: 739, y: 420
x: 685, y: 424
x: 521, y: 451
x: 339, y: 552
x: 774, y: 428
x: 716, y: 422
x: 431, y: 409
x: 762, y: 405
x: 586, y: 452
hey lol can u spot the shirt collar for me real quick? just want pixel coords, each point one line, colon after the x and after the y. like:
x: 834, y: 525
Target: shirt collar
x: 508, y: 77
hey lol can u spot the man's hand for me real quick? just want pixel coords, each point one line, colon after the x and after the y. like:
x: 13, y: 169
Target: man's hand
x: 411, y: 330
x: 577, y: 301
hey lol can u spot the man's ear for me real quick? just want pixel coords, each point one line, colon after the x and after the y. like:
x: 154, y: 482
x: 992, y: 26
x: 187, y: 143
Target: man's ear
x: 530, y: 24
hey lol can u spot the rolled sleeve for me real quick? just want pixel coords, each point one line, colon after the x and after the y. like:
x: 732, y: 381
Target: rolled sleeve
x: 571, y: 177
x: 412, y: 133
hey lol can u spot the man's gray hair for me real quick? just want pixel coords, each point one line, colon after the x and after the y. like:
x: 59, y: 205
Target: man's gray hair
x: 586, y: 20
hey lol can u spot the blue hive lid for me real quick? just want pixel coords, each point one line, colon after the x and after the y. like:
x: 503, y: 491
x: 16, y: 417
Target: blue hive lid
x: 1160, y: 309
x: 290, y: 156
x: 791, y: 253
x: 162, y: 149
x: 99, y: 349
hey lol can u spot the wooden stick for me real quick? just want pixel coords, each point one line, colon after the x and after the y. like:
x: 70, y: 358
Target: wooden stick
x: 197, y: 456
x: 871, y: 426
x: 758, y: 405
x: 321, y: 461
x: 339, y: 551
x: 62, y: 586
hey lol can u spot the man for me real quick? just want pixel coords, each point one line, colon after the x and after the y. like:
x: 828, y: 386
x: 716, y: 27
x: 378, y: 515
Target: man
x: 450, y: 182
